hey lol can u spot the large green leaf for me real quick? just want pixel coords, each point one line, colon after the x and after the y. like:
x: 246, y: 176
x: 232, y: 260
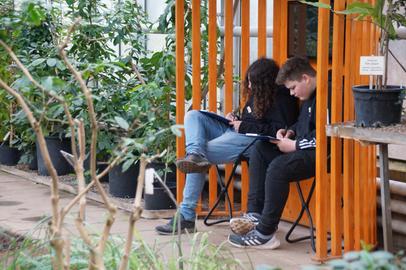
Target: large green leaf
x: 127, y: 164
x: 35, y: 14
x: 359, y: 8
x: 37, y: 62
x: 51, y: 62
x: 122, y: 122
x: 316, y: 4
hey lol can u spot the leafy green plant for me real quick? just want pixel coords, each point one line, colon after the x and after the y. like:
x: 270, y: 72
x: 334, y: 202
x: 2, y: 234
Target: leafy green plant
x: 25, y: 253
x: 364, y: 259
x: 385, y: 14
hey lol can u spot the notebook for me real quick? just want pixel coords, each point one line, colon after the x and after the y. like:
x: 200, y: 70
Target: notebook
x: 216, y: 116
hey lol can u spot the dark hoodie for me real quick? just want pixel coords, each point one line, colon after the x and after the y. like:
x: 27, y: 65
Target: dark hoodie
x: 305, y: 127
x: 283, y: 113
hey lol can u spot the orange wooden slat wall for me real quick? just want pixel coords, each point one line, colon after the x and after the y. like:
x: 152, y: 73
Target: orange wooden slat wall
x: 352, y: 165
x: 228, y: 76
x: 336, y: 188
x: 261, y: 28
x: 196, y: 54
x: 196, y: 62
x: 321, y: 120
x: 245, y: 56
x: 212, y: 88
x: 180, y: 90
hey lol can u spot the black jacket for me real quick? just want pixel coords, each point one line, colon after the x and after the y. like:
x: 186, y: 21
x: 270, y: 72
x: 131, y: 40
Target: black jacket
x: 282, y: 114
x: 305, y: 127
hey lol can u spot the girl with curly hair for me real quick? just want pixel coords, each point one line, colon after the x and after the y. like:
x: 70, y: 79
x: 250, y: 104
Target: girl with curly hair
x: 209, y: 141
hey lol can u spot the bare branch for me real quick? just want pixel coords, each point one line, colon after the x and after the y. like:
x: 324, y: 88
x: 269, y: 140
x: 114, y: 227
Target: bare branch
x: 56, y: 240
x: 137, y: 72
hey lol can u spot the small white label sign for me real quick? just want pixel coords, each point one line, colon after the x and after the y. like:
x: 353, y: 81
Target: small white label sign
x: 149, y: 181
x: 372, y: 65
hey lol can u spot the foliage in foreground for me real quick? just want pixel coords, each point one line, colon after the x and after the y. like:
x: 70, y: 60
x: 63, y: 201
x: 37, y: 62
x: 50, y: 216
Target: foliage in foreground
x: 37, y: 255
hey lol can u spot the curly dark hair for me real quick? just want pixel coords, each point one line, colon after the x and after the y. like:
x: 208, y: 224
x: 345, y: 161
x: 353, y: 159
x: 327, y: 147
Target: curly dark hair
x: 262, y: 75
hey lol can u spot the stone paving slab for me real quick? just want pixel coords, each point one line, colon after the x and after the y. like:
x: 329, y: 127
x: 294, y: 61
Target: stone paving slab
x: 23, y: 203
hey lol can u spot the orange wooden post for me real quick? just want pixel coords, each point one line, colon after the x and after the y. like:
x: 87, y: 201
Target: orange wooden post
x: 284, y: 30
x: 212, y: 88
x: 358, y: 160
x: 261, y: 28
x: 245, y: 55
x: 276, y: 45
x: 374, y: 197
x: 228, y: 75
x: 336, y: 143
x: 196, y: 69
x: 196, y: 55
x: 348, y: 165
x: 321, y: 120
x: 357, y: 197
x: 180, y: 90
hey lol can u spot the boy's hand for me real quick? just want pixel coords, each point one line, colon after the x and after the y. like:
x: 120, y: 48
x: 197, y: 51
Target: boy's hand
x: 236, y: 125
x: 286, y: 145
x: 283, y: 133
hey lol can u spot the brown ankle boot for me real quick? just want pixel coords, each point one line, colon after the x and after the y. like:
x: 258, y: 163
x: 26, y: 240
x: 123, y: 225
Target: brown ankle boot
x: 193, y: 163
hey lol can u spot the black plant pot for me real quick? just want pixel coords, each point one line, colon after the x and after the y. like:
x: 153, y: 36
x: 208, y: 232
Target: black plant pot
x: 123, y: 184
x: 100, y: 166
x: 376, y: 108
x: 9, y: 155
x: 55, y: 145
x: 33, y: 165
x: 160, y: 200
x: 160, y: 167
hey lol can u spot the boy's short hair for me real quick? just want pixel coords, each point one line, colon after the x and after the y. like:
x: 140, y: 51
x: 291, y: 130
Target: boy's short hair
x: 293, y: 69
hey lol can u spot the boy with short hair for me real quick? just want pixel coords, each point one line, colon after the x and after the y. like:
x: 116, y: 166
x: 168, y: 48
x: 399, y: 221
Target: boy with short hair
x: 273, y: 165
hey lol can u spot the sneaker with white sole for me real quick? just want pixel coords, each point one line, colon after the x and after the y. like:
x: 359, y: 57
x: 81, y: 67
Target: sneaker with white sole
x: 254, y: 239
x: 242, y: 225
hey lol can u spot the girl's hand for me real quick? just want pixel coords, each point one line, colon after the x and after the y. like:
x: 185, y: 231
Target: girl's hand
x: 236, y: 125
x: 231, y: 116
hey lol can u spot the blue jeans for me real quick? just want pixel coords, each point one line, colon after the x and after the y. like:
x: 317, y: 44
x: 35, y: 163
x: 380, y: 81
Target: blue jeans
x: 217, y: 142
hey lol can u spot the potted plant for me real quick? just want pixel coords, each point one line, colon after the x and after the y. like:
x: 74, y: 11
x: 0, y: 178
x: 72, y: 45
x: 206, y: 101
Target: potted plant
x: 150, y: 133
x: 9, y: 154
x: 381, y: 104
x: 164, y: 173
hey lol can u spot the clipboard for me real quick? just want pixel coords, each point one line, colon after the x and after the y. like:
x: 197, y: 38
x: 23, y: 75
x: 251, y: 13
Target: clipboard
x: 261, y: 137
x: 216, y: 116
